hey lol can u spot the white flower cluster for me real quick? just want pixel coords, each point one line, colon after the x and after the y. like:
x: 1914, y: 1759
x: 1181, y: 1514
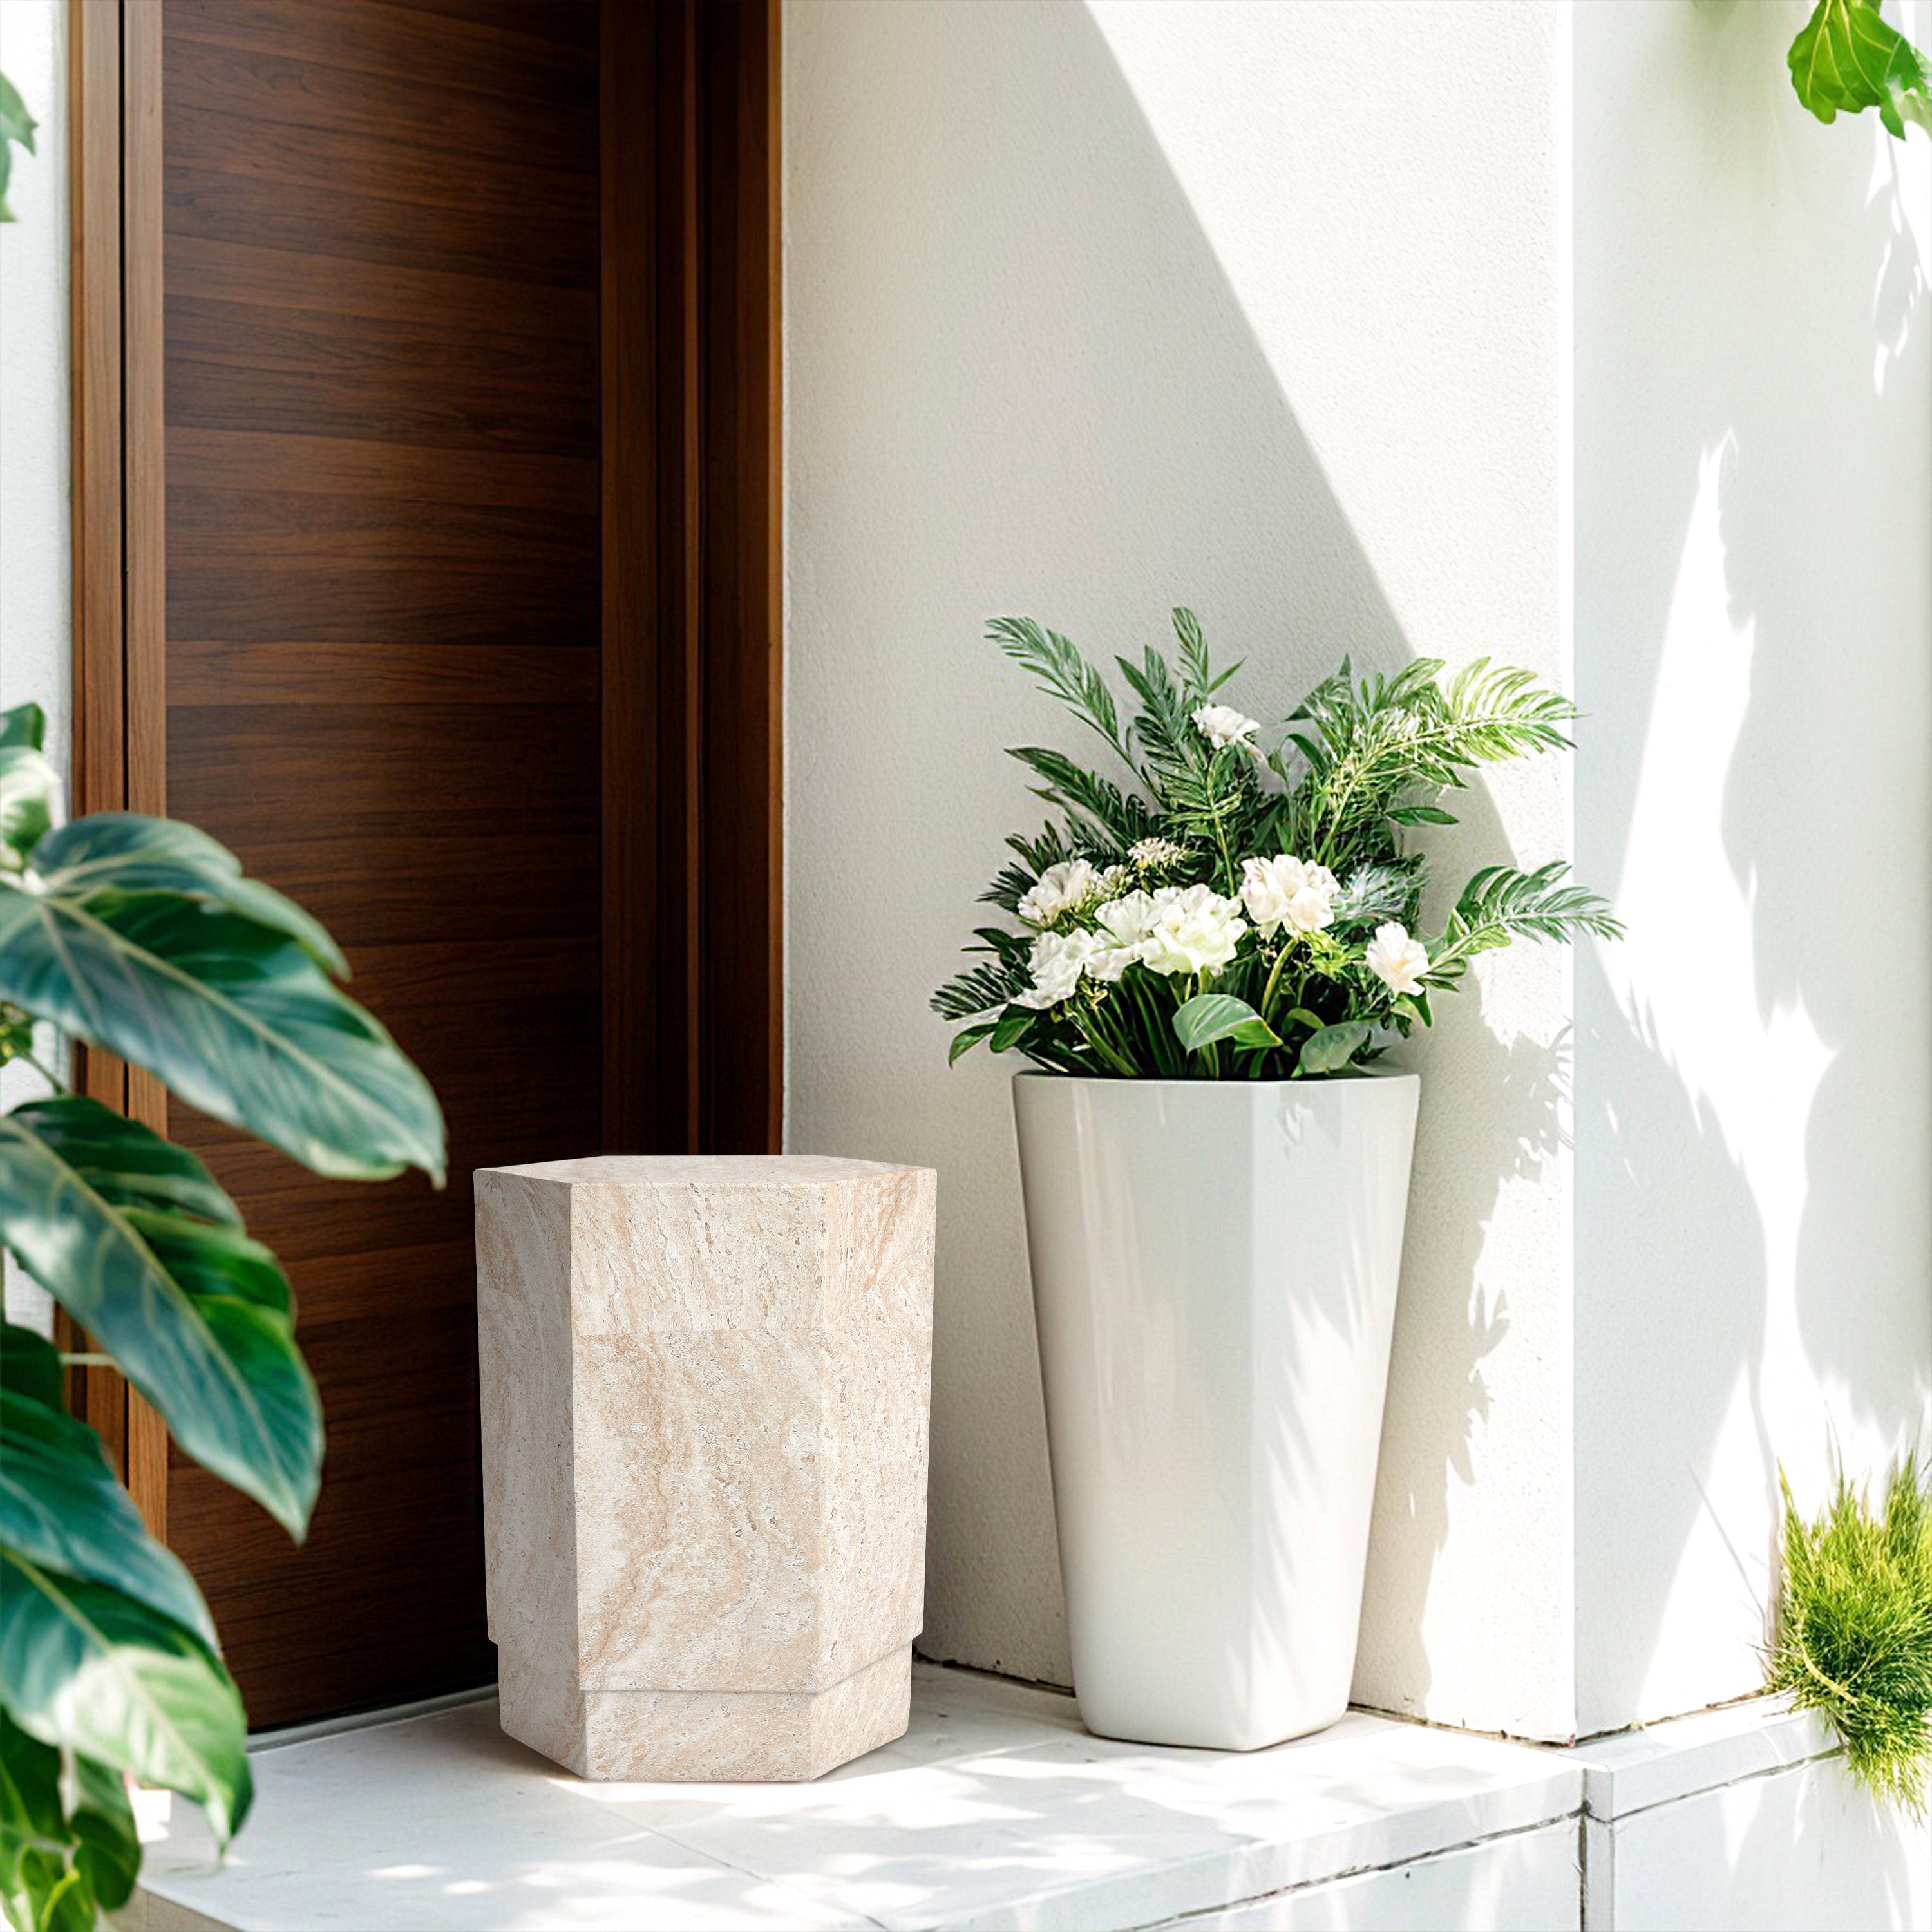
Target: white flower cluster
x: 1396, y: 959
x: 1068, y: 888
x: 1284, y: 892
x: 1223, y: 725
x: 1177, y: 929
x: 1148, y: 853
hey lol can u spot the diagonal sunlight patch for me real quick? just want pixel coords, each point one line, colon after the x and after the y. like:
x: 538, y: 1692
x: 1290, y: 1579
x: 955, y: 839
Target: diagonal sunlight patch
x: 1686, y: 977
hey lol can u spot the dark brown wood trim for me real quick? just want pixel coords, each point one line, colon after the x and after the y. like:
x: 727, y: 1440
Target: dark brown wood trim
x: 119, y: 562
x: 692, y: 721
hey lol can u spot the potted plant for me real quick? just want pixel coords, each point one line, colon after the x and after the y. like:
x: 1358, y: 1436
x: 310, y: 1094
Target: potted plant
x: 1209, y: 954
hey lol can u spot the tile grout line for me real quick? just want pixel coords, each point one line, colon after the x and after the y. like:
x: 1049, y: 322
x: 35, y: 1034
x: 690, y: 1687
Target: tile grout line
x: 1199, y: 1912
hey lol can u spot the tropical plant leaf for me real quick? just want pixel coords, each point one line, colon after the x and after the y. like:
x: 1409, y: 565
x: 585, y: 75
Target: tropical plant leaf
x: 1011, y: 1026
x: 1062, y: 673
x: 1209, y: 1017
x: 195, y: 1314
x: 979, y: 990
x: 108, y: 1854
x: 236, y: 1017
x: 1847, y: 57
x: 1332, y: 1048
x: 93, y: 1672
x: 29, y: 798
x: 24, y: 725
x: 1117, y: 816
x: 126, y: 852
x: 34, y: 1835
x: 62, y: 1505
x: 16, y: 125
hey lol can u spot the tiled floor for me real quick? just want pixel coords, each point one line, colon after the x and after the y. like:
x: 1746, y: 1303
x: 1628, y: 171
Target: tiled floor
x: 996, y: 1809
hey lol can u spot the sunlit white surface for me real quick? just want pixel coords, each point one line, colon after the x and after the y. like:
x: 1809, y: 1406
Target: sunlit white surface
x: 995, y: 1809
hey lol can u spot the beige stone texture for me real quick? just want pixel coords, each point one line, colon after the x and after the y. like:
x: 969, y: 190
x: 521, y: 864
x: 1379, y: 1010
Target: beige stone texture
x: 705, y: 1391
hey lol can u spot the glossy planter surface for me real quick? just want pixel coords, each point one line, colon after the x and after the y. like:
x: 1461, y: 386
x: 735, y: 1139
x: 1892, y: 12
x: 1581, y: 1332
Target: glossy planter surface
x: 1215, y: 1265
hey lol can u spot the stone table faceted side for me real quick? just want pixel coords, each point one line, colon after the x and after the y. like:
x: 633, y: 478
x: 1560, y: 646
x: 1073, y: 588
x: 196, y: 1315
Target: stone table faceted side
x: 704, y: 1400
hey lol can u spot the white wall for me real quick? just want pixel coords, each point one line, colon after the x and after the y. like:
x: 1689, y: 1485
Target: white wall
x: 34, y: 633
x: 1754, y: 493
x: 1093, y: 310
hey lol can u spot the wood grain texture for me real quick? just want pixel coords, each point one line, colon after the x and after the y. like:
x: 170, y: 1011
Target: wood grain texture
x: 384, y: 693
x: 425, y: 436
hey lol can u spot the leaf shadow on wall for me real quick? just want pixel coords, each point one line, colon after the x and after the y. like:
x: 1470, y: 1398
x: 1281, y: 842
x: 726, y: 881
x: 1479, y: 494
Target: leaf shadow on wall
x: 1752, y: 1229
x: 1002, y: 302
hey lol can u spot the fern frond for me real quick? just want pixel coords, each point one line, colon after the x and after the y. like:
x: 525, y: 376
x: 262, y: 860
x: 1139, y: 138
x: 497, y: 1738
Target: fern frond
x: 1062, y: 673
x: 1120, y: 817
x: 1501, y: 903
x: 979, y: 989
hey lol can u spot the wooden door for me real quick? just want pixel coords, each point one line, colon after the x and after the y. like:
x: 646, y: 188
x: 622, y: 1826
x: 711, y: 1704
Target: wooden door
x: 432, y: 659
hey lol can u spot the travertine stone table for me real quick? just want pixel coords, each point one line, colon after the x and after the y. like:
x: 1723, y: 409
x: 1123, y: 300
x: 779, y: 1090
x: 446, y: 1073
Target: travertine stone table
x: 704, y: 1396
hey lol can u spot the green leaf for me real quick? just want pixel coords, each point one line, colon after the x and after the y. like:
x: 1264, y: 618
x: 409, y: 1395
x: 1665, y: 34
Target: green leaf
x: 16, y: 125
x: 30, y: 1365
x: 62, y: 1507
x: 1847, y: 57
x: 34, y: 1834
x: 1422, y: 815
x: 96, y: 1673
x: 966, y: 1038
x: 25, y: 724
x: 29, y: 792
x: 1012, y: 1028
x: 106, y: 1217
x: 1209, y: 1017
x: 126, y: 852
x: 237, y: 1017
x: 1331, y: 1049
x: 109, y: 1854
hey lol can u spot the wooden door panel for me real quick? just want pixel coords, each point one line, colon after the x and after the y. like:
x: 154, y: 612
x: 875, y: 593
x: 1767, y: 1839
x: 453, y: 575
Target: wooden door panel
x: 381, y: 404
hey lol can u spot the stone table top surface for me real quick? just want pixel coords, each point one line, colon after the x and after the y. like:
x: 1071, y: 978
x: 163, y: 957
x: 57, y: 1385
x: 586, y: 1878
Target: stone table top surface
x: 996, y: 1809
x: 706, y: 1170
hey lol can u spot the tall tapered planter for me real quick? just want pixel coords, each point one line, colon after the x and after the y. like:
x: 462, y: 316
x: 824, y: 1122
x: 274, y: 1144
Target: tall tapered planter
x: 1215, y: 1265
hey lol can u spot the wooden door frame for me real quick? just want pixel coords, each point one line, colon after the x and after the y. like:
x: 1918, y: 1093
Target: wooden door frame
x: 692, y: 750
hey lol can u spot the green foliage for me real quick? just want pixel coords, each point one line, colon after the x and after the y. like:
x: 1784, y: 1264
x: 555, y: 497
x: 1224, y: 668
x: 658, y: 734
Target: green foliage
x: 144, y: 938
x: 16, y: 125
x: 1362, y: 763
x: 1854, y: 1639
x: 1847, y: 57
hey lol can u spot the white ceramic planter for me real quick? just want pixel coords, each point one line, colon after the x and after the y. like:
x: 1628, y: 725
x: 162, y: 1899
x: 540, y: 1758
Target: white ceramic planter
x: 1214, y: 1266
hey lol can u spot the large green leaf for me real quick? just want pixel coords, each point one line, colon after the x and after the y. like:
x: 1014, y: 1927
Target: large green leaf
x: 24, y: 725
x: 93, y: 1671
x: 238, y: 1017
x: 127, y: 852
x: 1331, y: 1049
x: 29, y: 796
x: 16, y: 125
x: 33, y: 1830
x: 1208, y: 1017
x: 108, y: 1857
x: 1847, y: 57
x: 131, y: 1235
x: 62, y: 1506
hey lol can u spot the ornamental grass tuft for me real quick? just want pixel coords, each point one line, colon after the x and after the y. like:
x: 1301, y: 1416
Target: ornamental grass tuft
x: 1854, y: 1639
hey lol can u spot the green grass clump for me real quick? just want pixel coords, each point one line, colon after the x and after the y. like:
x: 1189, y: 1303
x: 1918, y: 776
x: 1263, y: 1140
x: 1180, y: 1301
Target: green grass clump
x: 1854, y: 1639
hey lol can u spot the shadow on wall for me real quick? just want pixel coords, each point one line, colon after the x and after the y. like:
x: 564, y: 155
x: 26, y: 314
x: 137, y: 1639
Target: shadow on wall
x: 1754, y: 596
x: 1021, y: 381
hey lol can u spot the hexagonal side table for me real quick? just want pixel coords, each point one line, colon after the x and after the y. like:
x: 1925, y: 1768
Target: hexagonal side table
x: 705, y: 1389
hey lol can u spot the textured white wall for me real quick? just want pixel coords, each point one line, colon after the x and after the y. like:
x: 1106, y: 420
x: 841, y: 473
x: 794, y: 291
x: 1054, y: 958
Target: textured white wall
x: 35, y: 634
x: 1094, y: 310
x: 1754, y: 493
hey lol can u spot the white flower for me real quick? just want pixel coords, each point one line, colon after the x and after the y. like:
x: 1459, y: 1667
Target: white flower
x: 1283, y: 892
x: 1061, y: 889
x: 1222, y: 725
x: 1396, y: 960
x: 1130, y: 919
x: 1148, y: 853
x: 1057, y: 961
x: 1193, y: 931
